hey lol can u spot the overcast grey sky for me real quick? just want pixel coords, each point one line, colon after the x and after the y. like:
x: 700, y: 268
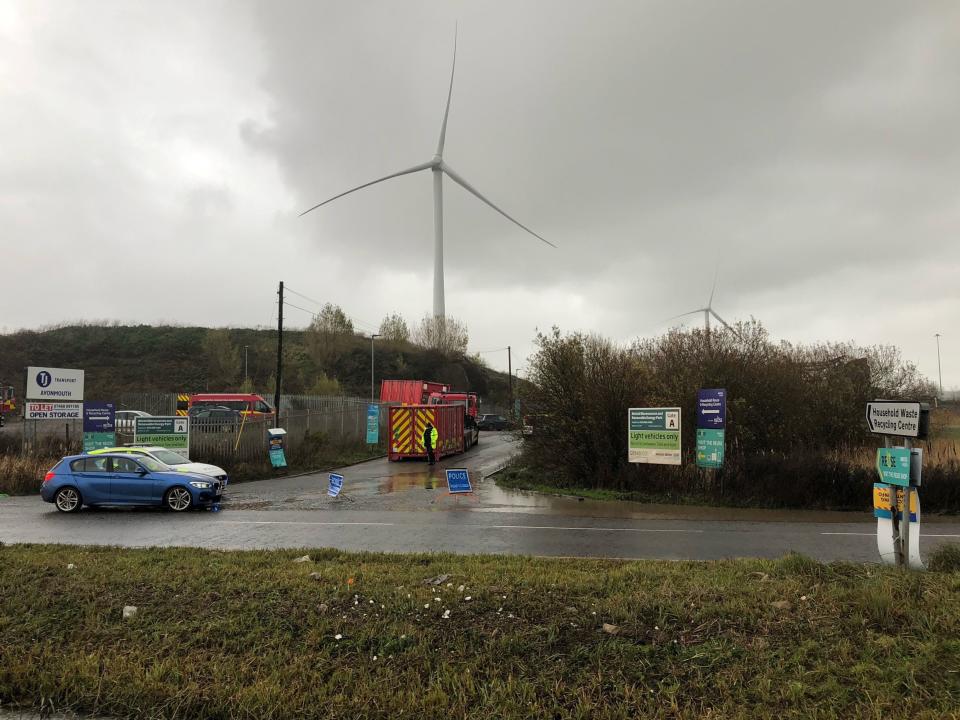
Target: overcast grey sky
x: 156, y: 157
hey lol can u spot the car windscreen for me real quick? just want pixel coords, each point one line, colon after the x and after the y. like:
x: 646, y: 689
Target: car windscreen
x: 169, y: 457
x: 152, y: 465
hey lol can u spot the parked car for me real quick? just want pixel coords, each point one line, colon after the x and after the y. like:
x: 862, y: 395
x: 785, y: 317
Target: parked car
x: 126, y: 419
x: 116, y: 479
x: 173, y: 460
x: 212, y: 418
x: 493, y: 422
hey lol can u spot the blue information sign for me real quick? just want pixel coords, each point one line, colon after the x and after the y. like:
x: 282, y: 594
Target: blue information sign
x: 99, y: 426
x: 373, y: 424
x: 458, y: 481
x: 336, y: 485
x: 712, y: 409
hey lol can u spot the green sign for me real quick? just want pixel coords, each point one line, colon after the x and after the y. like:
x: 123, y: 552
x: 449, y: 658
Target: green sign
x: 893, y: 464
x: 98, y: 440
x: 172, y: 433
x: 710, y: 448
x: 654, y: 435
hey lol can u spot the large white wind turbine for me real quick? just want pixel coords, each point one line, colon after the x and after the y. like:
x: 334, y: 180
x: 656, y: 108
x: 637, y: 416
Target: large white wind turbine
x: 708, y: 311
x: 438, y: 167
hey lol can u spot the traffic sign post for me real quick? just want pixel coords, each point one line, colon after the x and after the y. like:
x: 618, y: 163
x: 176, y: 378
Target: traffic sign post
x: 899, y: 468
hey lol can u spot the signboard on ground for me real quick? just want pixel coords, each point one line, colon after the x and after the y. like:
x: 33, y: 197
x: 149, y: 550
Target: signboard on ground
x: 53, y: 410
x: 46, y: 383
x: 172, y: 433
x: 276, y: 447
x: 653, y: 435
x: 373, y: 424
x: 906, y: 419
x: 99, y: 425
x: 712, y: 408
x: 893, y: 464
x: 336, y: 485
x: 458, y: 481
x: 710, y: 448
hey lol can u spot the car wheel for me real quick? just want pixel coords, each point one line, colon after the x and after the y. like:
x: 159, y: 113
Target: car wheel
x: 178, y: 499
x: 68, y: 500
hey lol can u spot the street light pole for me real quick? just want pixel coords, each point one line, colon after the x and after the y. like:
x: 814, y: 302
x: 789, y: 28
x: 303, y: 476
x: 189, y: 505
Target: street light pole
x: 939, y: 371
x: 246, y: 374
x: 510, y: 375
x: 372, y: 338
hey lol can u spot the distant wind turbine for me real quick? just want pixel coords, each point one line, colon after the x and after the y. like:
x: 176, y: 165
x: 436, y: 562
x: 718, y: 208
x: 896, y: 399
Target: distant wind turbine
x: 708, y: 311
x: 438, y: 167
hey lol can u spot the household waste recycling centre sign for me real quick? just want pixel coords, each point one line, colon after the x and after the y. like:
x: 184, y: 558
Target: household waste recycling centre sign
x: 711, y: 427
x: 99, y: 427
x: 654, y: 435
x: 172, y: 433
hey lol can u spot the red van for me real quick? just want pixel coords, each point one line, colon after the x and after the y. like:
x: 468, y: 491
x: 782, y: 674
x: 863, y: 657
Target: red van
x: 244, y: 403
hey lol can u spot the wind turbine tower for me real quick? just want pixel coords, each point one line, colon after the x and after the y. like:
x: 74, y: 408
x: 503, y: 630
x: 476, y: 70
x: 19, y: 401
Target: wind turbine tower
x: 439, y: 168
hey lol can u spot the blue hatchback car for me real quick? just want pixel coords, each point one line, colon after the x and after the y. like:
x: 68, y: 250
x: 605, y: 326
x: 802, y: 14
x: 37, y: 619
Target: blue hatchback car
x: 120, y: 479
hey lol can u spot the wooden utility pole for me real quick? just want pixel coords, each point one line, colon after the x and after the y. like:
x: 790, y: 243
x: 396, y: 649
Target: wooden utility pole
x: 276, y: 392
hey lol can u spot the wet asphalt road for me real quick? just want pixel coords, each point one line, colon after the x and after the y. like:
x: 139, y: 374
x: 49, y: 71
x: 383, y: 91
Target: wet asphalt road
x: 404, y: 507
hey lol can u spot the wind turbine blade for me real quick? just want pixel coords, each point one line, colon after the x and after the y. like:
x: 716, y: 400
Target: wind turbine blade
x: 692, y: 312
x: 469, y: 188
x: 724, y: 323
x: 415, y: 168
x: 716, y: 273
x: 446, y: 112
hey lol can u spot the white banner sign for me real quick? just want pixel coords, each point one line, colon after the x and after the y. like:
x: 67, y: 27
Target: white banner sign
x: 47, y: 383
x: 53, y: 411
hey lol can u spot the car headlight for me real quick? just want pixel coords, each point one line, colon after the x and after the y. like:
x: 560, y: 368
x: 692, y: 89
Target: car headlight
x: 200, y: 484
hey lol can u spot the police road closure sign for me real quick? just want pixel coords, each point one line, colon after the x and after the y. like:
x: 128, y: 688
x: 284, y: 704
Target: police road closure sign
x: 47, y: 383
x: 336, y: 485
x: 458, y: 481
x: 654, y: 435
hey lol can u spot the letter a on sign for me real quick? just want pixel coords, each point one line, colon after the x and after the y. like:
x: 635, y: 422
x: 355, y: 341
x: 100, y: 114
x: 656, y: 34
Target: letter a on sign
x: 673, y: 420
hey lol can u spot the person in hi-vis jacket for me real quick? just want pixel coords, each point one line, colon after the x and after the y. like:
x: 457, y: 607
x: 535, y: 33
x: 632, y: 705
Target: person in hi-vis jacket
x: 430, y: 436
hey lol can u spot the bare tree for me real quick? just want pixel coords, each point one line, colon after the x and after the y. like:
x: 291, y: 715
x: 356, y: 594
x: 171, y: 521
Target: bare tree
x: 448, y: 335
x: 394, y: 328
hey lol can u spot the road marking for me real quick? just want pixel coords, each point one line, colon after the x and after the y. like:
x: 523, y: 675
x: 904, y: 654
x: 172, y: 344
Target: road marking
x: 490, y: 527
x: 295, y: 522
x: 602, y: 529
x: 873, y: 534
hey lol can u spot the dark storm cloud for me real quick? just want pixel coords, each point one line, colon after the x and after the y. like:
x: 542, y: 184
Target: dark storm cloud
x: 808, y: 148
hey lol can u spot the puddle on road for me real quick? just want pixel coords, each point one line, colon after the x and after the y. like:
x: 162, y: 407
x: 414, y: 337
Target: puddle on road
x: 422, y: 479
x: 497, y: 499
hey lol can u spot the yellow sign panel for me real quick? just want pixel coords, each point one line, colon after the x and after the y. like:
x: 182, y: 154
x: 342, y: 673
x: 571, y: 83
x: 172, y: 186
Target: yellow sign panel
x: 882, y: 500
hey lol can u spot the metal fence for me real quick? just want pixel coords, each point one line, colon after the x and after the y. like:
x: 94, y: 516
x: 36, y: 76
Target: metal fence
x: 331, y: 420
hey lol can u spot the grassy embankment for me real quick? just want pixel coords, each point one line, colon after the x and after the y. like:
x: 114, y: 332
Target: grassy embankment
x: 254, y: 634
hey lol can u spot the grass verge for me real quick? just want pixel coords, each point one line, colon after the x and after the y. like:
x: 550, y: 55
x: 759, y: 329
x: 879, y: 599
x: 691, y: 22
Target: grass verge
x: 254, y: 634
